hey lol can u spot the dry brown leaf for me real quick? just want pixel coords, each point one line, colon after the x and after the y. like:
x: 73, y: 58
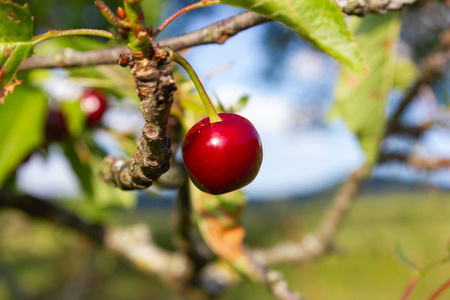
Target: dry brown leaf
x: 8, y: 89
x: 226, y: 242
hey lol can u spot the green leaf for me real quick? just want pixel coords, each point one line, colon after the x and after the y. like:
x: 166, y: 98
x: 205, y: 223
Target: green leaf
x: 11, y: 55
x: 80, y: 165
x: 406, y: 72
x: 361, y: 100
x: 85, y: 161
x: 240, y: 104
x: 234, y: 108
x: 21, y: 127
x: 78, y: 43
x: 220, y: 108
x: 76, y: 119
x: 16, y: 29
x: 16, y: 22
x: 193, y: 105
x: 404, y: 258
x: 320, y: 22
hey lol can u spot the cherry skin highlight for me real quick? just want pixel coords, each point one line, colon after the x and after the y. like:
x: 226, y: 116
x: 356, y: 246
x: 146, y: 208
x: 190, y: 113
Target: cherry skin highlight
x: 223, y: 156
x: 94, y: 105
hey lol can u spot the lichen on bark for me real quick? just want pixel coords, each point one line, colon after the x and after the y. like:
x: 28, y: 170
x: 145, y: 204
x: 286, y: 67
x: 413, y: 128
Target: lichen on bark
x: 155, y: 87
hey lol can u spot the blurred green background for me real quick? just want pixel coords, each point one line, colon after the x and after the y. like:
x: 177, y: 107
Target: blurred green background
x: 40, y: 261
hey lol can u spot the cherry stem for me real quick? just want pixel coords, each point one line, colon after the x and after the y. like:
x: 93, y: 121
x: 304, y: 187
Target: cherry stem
x: 182, y: 11
x: 412, y: 283
x: 210, y: 110
x: 440, y: 291
x: 70, y: 32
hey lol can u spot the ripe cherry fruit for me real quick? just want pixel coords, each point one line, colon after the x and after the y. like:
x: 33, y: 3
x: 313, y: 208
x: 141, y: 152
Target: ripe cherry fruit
x: 94, y: 105
x: 223, y: 152
x: 222, y: 156
x: 55, y: 126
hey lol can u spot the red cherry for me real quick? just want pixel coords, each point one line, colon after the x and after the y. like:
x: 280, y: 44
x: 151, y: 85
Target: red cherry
x: 223, y: 156
x: 55, y: 126
x: 94, y: 105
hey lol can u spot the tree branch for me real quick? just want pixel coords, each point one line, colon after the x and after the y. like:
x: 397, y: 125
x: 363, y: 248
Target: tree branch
x: 412, y: 131
x: 315, y: 245
x: 216, y: 33
x: 279, y: 287
x: 134, y: 243
x: 363, y: 7
x: 46, y: 210
x: 185, y: 237
x: 217, y: 277
x: 342, y: 203
x: 155, y: 86
x: 176, y: 176
x: 432, y: 65
x: 416, y: 162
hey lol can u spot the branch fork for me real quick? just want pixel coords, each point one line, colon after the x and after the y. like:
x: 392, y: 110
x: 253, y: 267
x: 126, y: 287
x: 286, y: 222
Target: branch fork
x: 155, y: 87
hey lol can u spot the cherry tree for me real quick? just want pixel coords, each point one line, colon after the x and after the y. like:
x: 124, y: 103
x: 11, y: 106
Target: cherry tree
x: 222, y: 151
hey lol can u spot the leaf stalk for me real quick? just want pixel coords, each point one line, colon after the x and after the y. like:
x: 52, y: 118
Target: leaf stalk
x: 182, y: 11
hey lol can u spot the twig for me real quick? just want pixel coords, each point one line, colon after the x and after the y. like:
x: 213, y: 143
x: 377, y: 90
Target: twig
x: 315, y: 245
x: 416, y: 162
x: 49, y: 212
x: 68, y: 58
x: 336, y: 213
x: 216, y: 277
x: 412, y: 283
x: 433, y: 64
x: 216, y: 33
x: 440, y: 291
x: 135, y: 244
x: 412, y: 131
x: 363, y: 7
x: 394, y: 121
x: 182, y: 11
x: 279, y: 288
